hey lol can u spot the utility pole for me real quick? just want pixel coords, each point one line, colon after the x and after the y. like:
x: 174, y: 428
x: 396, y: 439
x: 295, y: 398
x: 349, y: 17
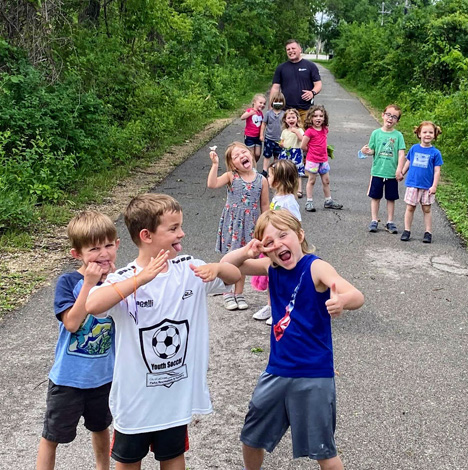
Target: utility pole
x: 383, y: 12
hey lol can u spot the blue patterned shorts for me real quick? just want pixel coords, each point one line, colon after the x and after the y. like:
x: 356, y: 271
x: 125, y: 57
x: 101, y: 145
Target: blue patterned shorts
x: 271, y: 149
x: 295, y: 155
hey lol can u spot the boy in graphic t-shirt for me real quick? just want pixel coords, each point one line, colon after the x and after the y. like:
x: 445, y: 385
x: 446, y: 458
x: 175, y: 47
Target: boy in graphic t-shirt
x: 388, y: 147
x: 81, y: 376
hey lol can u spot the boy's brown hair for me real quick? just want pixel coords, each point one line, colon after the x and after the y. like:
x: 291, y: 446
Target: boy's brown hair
x: 308, y: 122
x: 145, y: 212
x: 285, y: 176
x: 437, y: 129
x: 89, y: 228
x: 395, y: 107
x: 277, y: 97
x: 281, y: 220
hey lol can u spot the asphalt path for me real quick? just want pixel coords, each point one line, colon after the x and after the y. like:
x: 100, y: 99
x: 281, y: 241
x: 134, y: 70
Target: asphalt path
x: 401, y: 358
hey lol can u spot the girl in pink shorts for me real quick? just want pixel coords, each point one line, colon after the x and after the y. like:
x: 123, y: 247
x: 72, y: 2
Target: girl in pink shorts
x: 314, y: 143
x: 422, y: 164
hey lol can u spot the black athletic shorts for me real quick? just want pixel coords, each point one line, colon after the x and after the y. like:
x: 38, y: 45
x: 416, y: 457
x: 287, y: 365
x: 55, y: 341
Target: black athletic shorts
x: 166, y: 444
x: 65, y: 407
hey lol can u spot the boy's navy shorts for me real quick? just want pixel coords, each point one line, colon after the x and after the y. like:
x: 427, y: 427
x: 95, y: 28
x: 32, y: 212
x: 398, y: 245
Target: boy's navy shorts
x: 252, y: 141
x: 65, y: 407
x: 271, y: 149
x: 377, y: 185
x: 166, y: 444
x: 308, y: 405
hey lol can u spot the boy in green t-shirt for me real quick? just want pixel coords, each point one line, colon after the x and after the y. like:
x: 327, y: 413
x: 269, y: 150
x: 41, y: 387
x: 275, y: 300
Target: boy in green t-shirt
x: 388, y: 147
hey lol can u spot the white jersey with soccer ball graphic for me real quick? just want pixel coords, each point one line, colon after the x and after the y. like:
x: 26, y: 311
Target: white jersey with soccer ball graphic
x: 161, y: 338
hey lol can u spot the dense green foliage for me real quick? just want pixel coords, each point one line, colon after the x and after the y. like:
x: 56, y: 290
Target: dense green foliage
x: 88, y: 85
x: 420, y: 61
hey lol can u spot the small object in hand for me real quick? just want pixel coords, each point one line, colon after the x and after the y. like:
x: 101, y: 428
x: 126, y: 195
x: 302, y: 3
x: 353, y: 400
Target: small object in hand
x: 213, y: 149
x: 330, y: 151
x: 362, y: 154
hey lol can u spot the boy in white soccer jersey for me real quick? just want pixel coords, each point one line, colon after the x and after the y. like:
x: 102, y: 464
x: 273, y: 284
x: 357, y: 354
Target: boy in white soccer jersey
x: 158, y: 304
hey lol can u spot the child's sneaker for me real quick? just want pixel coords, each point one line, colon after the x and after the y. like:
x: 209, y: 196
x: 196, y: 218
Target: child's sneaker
x: 269, y: 322
x: 241, y: 303
x: 309, y: 207
x: 373, y: 226
x: 263, y: 314
x: 427, y: 237
x: 229, y: 301
x: 331, y: 204
x: 405, y: 236
x: 391, y: 227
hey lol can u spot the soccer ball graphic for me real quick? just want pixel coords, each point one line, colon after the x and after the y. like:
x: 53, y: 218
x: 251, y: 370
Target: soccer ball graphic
x: 166, y: 341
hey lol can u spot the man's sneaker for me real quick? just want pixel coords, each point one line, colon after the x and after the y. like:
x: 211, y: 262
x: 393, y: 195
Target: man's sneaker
x: 263, y: 314
x: 309, y: 207
x: 269, y: 322
x: 427, y: 237
x: 230, y: 302
x: 373, y: 226
x: 241, y: 303
x: 405, y: 236
x: 331, y: 204
x: 391, y: 227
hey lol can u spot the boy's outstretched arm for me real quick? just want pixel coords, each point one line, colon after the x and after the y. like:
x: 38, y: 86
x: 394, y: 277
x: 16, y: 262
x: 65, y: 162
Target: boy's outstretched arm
x: 343, y: 295
x: 74, y: 316
x: 228, y: 273
x: 108, y: 296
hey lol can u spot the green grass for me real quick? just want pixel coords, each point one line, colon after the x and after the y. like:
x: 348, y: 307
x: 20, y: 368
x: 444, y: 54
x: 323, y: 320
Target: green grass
x: 15, y: 287
x: 92, y: 189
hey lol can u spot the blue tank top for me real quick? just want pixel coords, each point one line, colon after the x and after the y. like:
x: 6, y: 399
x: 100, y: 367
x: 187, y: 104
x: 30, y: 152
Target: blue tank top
x: 301, y: 338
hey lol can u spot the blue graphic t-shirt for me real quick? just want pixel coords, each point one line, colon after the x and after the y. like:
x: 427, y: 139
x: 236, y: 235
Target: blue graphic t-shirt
x: 423, y: 160
x: 84, y: 359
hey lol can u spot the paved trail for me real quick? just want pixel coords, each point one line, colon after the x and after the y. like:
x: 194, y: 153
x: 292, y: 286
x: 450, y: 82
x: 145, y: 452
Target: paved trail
x: 402, y: 358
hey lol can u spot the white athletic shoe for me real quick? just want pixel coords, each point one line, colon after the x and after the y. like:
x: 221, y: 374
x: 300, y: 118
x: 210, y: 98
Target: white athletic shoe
x: 229, y: 301
x: 269, y: 322
x: 241, y: 303
x: 263, y: 314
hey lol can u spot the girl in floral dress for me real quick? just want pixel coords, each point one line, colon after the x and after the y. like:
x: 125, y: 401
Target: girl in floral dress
x: 247, y: 198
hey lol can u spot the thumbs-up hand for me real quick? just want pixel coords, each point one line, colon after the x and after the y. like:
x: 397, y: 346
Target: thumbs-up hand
x: 334, y: 304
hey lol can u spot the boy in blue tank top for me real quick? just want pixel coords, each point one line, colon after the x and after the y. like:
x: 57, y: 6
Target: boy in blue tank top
x: 297, y: 389
x: 81, y: 376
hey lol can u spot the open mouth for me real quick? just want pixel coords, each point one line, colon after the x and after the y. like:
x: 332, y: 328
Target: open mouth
x: 284, y: 255
x: 177, y: 247
x: 245, y: 162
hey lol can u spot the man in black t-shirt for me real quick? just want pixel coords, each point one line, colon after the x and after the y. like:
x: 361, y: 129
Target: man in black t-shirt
x: 298, y: 79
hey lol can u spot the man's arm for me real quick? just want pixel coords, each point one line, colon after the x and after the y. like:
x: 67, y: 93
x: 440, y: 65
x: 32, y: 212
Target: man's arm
x: 308, y: 95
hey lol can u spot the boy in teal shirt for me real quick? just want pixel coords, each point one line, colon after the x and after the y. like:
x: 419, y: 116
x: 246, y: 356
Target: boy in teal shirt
x: 388, y: 147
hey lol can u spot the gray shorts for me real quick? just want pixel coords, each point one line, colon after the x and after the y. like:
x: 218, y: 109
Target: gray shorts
x: 308, y: 405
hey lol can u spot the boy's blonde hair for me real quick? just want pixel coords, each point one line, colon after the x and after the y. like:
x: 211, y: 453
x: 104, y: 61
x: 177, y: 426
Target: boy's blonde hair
x: 308, y: 122
x: 281, y: 220
x: 285, y: 176
x: 257, y: 96
x: 90, y: 228
x: 289, y: 111
x: 437, y: 129
x: 145, y: 212
x: 228, y: 154
x: 278, y: 96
